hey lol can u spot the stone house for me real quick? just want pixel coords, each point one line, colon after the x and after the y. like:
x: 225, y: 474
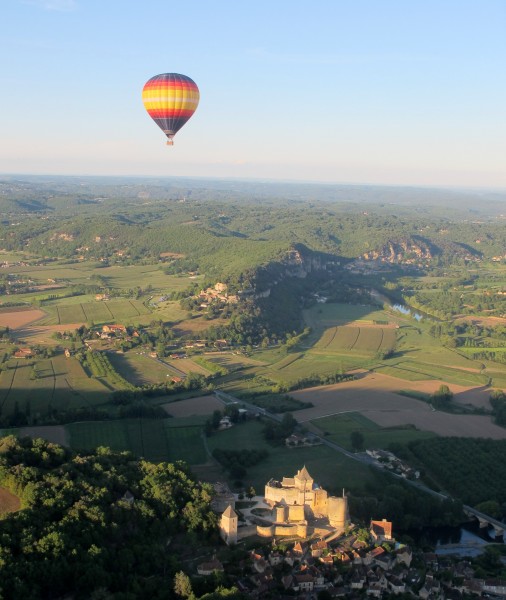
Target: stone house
x: 381, y: 531
x: 404, y: 556
x: 317, y: 548
x: 396, y: 586
x: 208, y: 568
x: 304, y: 582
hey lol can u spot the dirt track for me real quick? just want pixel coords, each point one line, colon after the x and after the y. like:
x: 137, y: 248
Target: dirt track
x: 375, y: 396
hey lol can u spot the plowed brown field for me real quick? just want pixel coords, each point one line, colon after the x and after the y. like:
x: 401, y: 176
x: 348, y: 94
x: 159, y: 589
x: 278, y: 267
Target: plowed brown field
x: 19, y: 318
x: 203, y: 405
x: 376, y: 397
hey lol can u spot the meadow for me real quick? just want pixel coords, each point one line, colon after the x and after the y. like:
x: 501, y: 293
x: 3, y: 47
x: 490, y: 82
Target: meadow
x: 339, y: 428
x: 329, y: 468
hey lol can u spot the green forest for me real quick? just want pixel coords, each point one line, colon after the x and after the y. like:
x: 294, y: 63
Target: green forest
x: 98, y: 524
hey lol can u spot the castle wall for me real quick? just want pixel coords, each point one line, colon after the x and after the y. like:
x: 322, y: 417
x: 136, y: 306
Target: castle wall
x: 292, y: 530
x: 296, y: 512
x: 279, y: 494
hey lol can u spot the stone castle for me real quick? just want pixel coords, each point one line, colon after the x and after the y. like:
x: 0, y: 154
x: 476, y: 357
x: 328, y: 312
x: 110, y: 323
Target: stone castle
x: 298, y: 508
x: 297, y: 503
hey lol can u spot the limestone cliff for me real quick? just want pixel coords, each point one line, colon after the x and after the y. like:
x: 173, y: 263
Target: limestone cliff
x: 403, y: 251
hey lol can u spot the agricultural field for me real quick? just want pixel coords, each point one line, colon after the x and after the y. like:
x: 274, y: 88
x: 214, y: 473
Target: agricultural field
x: 323, y: 316
x: 192, y: 407
x: 233, y: 361
x: 378, y: 398
x: 418, y: 371
x: 278, y: 403
x: 123, y: 311
x: 367, y: 339
x: 57, y: 434
x: 330, y: 468
x: 185, y: 440
x: 417, y: 356
x: 153, y: 439
x: 339, y: 428
x: 115, y: 277
x: 58, y: 382
x: 195, y: 325
x: 141, y: 369
x: 16, y: 318
x: 187, y: 365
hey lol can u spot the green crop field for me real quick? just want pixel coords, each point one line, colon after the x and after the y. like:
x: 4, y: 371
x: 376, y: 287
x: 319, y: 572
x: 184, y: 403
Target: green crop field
x: 314, y: 363
x: 185, y: 443
x: 142, y: 437
x: 339, y: 428
x: 70, y: 314
x: 38, y: 383
x: 169, y: 311
x: 364, y: 340
x: 153, y: 439
x: 330, y: 468
x: 322, y: 316
x: 87, y: 436
x: 120, y: 311
x: 140, y: 369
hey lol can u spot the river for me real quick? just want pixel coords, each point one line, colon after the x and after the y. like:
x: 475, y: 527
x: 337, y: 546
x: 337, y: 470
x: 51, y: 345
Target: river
x: 467, y: 540
x: 402, y: 308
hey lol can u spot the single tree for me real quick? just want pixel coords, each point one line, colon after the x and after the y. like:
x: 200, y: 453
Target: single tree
x: 182, y: 585
x: 357, y: 440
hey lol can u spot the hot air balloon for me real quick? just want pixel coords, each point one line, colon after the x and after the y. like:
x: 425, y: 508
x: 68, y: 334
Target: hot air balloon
x: 170, y: 99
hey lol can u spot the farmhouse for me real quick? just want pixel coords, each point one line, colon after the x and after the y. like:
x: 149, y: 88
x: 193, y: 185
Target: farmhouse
x: 113, y: 328
x: 23, y: 353
x: 381, y: 531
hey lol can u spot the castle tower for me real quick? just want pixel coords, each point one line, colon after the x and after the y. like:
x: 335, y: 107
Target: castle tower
x: 228, y: 526
x: 338, y: 512
x: 303, y: 480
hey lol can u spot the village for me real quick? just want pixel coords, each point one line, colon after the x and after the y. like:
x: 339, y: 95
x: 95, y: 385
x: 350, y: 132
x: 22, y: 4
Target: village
x: 297, y: 541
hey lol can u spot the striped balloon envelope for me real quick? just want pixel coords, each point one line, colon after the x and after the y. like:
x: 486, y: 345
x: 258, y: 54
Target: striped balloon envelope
x: 170, y: 99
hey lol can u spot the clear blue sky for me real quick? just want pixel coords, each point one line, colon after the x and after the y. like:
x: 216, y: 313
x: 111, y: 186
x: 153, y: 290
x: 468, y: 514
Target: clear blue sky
x: 364, y: 91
